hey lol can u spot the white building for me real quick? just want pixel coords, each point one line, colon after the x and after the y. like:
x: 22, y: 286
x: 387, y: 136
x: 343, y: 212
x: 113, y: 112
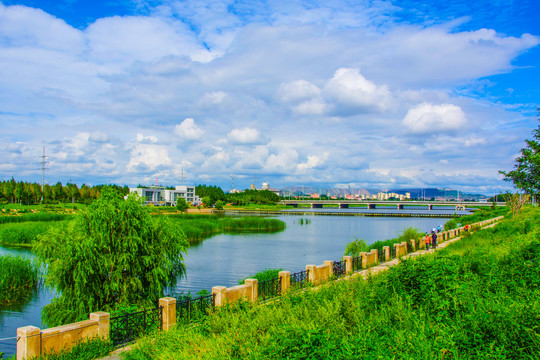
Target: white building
x: 160, y: 196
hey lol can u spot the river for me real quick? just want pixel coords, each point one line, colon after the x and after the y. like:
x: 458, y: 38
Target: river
x: 224, y: 259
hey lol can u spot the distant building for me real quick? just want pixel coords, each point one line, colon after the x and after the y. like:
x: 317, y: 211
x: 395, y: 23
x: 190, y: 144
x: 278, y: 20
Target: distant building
x: 159, y: 196
x: 265, y: 186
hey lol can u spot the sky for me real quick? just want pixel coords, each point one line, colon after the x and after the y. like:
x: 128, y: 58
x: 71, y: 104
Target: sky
x: 360, y: 94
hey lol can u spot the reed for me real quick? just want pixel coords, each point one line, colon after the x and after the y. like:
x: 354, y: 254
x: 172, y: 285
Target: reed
x: 41, y: 216
x: 17, y: 234
x: 18, y: 279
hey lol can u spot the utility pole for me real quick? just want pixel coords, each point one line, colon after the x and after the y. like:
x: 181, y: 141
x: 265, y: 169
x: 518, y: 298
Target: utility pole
x: 182, y: 177
x: 232, y: 183
x: 43, y: 162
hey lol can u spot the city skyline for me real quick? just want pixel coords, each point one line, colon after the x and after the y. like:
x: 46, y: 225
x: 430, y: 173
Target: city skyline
x: 389, y: 94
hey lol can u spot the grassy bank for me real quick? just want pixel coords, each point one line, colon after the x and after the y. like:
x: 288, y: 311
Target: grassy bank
x: 478, y: 298
x: 18, y: 279
x: 25, y: 233
x: 200, y: 227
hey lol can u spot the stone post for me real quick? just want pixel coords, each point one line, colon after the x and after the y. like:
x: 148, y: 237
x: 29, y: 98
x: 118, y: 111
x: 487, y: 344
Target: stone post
x: 220, y: 295
x: 254, y: 288
x: 285, y: 281
x: 386, y: 253
x: 29, y: 342
x: 404, y: 243
x: 376, y: 252
x: 168, y: 312
x: 348, y: 264
x: 364, y: 259
x: 330, y: 270
x: 103, y: 323
x: 311, y: 273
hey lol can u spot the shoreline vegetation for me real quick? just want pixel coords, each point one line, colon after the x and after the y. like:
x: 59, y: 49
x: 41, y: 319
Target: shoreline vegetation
x: 476, y: 298
x: 19, y: 278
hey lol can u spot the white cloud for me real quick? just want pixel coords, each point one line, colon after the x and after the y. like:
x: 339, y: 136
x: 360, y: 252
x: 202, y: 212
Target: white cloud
x: 429, y: 118
x: 245, y: 136
x: 353, y: 91
x: 298, y: 90
x: 313, y: 162
x: 146, y: 139
x: 187, y: 129
x: 145, y: 157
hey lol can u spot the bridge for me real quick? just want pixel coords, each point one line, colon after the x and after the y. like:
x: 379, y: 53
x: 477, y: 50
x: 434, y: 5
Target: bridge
x: 400, y: 205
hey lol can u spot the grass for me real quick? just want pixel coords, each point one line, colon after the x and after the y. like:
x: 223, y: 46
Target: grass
x: 90, y: 350
x: 200, y: 227
x: 478, y: 298
x: 18, y: 279
x: 25, y: 233
x: 32, y: 217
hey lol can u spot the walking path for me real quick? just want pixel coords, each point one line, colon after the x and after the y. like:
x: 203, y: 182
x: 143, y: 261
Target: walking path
x: 116, y: 355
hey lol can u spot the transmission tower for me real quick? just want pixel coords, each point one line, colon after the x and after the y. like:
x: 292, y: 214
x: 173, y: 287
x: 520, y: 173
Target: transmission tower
x: 43, y: 162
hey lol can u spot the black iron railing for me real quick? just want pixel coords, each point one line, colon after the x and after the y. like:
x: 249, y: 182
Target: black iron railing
x: 190, y: 310
x: 392, y: 252
x: 357, y: 263
x: 299, y: 280
x: 339, y: 268
x: 269, y: 288
x: 409, y: 246
x: 127, y: 328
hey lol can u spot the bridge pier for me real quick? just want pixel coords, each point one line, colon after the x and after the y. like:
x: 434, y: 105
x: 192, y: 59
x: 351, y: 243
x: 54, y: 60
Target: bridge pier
x: 430, y: 207
x: 371, y: 206
x: 316, y: 206
x: 400, y: 206
x: 343, y: 206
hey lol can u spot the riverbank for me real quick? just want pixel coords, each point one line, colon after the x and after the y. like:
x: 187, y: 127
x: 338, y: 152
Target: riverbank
x: 475, y: 298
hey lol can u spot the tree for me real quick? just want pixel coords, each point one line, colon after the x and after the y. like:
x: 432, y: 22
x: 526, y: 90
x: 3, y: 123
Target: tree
x: 114, y: 253
x: 181, y: 204
x: 526, y: 172
x: 516, y: 201
x: 207, y: 201
x: 219, y: 205
x: 355, y: 247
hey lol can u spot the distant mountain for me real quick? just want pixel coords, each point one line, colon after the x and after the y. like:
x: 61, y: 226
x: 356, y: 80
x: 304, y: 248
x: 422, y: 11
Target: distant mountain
x: 440, y: 194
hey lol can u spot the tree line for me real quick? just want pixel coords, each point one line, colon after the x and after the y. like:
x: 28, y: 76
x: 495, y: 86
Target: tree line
x: 27, y: 193
x: 212, y: 194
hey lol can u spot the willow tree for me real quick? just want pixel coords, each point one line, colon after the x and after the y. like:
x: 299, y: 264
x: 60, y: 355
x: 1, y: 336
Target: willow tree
x: 113, y: 254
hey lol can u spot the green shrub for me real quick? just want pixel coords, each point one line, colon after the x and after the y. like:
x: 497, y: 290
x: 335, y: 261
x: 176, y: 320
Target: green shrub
x: 90, y: 350
x: 25, y: 232
x: 267, y: 274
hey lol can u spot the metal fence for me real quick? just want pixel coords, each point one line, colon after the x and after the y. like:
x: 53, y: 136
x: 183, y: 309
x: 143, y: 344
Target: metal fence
x: 299, y: 280
x: 392, y: 252
x: 339, y: 268
x: 189, y: 310
x: 126, y: 328
x: 269, y: 288
x: 357, y: 263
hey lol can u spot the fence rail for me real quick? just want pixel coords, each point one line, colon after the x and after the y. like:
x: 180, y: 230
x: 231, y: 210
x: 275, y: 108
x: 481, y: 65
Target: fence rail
x: 126, y: 328
x: 269, y: 288
x: 194, y: 309
x: 339, y: 268
x: 392, y: 252
x: 357, y: 263
x: 299, y: 280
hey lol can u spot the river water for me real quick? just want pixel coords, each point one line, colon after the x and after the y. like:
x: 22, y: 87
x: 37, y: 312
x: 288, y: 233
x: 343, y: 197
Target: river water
x: 224, y: 259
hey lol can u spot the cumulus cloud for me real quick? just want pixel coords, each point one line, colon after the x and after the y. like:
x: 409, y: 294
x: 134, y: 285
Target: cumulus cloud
x: 428, y: 118
x: 187, y: 129
x: 146, y: 139
x: 246, y: 136
x: 353, y: 92
x: 145, y: 157
x: 313, y: 162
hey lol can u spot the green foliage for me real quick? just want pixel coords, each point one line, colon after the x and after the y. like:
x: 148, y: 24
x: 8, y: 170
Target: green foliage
x: 181, y: 204
x: 478, y: 298
x: 214, y: 193
x: 267, y: 274
x: 207, y: 201
x: 199, y: 227
x: 42, y: 217
x: 114, y: 253
x: 89, y: 350
x: 253, y: 197
x: 355, y: 247
x: 406, y: 235
x: 526, y: 172
x: 219, y: 205
x: 26, y: 232
x: 18, y: 279
x: 483, y: 213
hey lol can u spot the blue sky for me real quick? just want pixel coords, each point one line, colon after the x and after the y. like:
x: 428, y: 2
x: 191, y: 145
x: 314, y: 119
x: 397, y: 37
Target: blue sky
x: 377, y: 94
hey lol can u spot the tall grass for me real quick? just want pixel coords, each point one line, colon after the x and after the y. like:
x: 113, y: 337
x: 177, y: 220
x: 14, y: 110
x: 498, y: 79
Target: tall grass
x: 407, y: 235
x: 478, y: 298
x: 199, y: 227
x: 18, y: 279
x: 26, y: 232
x: 34, y: 217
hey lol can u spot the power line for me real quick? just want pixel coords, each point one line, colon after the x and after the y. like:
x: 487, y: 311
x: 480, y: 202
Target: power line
x: 43, y: 162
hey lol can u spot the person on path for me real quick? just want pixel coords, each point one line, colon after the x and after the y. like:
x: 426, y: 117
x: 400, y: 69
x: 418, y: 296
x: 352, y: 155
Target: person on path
x: 467, y: 228
x: 434, y: 240
x: 428, y: 241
